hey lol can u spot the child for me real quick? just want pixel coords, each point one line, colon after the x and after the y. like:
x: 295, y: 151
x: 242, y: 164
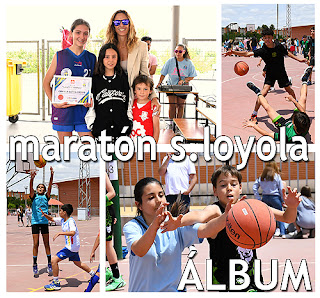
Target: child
x: 226, y: 182
x: 115, y: 279
x: 271, y: 184
x: 155, y: 257
x: 94, y: 279
x: 272, y: 53
x: 298, y: 124
x: 110, y: 89
x: 72, y: 61
x: 71, y: 250
x: 145, y: 122
x: 38, y: 222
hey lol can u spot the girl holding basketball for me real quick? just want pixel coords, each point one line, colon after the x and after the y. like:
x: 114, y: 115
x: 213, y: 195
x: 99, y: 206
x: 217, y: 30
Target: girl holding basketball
x: 72, y: 61
x: 155, y: 257
x: 39, y: 223
x: 227, y: 188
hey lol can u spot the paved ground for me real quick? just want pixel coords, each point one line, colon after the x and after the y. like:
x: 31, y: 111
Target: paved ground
x: 238, y: 101
x: 19, y: 258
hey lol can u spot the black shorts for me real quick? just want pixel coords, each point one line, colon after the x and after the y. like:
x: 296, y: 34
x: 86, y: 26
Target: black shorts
x: 44, y: 228
x: 182, y: 96
x: 311, y: 63
x: 281, y: 77
x: 110, y: 216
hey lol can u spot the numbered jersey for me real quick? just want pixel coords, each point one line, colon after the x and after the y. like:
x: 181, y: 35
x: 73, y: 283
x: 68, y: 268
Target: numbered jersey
x: 70, y: 64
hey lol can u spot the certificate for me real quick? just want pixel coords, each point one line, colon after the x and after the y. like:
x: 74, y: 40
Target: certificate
x: 73, y: 90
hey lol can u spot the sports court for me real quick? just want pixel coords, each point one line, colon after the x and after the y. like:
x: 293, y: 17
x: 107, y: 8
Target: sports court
x: 238, y: 100
x: 19, y: 258
x: 277, y: 248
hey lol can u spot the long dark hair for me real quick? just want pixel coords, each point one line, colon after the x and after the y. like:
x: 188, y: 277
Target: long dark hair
x: 100, y: 68
x: 139, y: 189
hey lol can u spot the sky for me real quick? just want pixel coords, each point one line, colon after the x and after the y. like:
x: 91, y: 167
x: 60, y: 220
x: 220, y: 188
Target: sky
x: 62, y: 171
x: 44, y: 22
x: 259, y: 14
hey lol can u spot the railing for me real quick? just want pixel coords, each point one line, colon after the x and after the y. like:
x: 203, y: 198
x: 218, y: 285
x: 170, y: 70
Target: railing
x: 40, y: 53
x: 295, y: 174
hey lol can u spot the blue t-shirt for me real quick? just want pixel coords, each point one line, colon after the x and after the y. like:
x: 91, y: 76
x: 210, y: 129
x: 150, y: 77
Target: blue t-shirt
x: 186, y: 69
x: 70, y: 64
x: 268, y: 187
x: 159, y: 270
x: 39, y: 201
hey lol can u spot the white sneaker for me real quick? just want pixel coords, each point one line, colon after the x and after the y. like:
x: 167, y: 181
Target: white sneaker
x: 289, y: 235
x: 277, y: 232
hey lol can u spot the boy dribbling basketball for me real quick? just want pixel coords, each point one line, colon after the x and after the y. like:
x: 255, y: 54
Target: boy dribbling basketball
x: 226, y: 182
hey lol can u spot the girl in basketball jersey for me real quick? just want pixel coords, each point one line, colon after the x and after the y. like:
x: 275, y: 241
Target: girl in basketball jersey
x: 154, y: 256
x: 72, y: 61
x: 39, y: 223
x: 110, y: 89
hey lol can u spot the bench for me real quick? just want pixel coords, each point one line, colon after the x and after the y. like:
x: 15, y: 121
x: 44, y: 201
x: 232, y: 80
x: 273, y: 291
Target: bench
x: 191, y: 130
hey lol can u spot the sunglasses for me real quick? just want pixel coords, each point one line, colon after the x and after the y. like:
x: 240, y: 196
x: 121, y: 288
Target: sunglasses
x: 179, y: 51
x: 118, y: 22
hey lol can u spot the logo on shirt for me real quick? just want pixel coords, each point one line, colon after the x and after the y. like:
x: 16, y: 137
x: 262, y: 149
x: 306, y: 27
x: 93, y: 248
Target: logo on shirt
x: 77, y: 63
x: 144, y: 116
x: 274, y: 54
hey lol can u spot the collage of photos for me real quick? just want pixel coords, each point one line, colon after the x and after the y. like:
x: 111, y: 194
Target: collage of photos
x: 167, y: 148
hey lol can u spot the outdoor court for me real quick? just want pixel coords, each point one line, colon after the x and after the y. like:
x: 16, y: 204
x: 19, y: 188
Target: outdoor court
x: 73, y: 279
x: 278, y: 248
x: 238, y: 100
x: 19, y: 258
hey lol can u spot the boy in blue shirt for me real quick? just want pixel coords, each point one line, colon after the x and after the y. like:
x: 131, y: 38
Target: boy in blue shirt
x: 71, y: 250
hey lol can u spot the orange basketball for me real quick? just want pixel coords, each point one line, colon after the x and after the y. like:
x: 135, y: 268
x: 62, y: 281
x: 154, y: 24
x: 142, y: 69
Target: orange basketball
x: 250, y: 224
x: 241, y: 68
x: 40, y: 163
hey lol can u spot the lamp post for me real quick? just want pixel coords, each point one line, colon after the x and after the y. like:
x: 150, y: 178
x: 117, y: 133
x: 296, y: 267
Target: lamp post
x: 25, y: 196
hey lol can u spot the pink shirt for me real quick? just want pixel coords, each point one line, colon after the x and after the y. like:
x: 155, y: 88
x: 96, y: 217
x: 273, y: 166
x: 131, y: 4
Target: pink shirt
x: 152, y: 61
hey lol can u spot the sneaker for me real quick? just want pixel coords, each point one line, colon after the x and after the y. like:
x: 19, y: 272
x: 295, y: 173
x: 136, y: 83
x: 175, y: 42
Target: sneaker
x: 54, y: 286
x: 290, y: 81
x: 49, y: 270
x: 254, y: 88
x: 116, y: 283
x: 254, y: 118
x: 271, y: 89
x: 108, y: 274
x: 312, y: 233
x: 277, y: 232
x: 298, y: 235
x: 289, y: 235
x: 35, y: 271
x: 309, y: 83
x: 306, y: 74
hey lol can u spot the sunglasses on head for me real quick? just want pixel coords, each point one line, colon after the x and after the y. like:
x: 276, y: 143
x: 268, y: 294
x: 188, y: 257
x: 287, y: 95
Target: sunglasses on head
x: 118, y: 22
x: 179, y: 51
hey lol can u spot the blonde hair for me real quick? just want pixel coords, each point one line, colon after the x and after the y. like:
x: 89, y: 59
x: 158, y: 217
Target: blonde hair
x: 112, y: 37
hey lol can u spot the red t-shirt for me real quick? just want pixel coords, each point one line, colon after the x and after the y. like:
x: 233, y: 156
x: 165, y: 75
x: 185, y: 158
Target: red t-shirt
x: 142, y: 120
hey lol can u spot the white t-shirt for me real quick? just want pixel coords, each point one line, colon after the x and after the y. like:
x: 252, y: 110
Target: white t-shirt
x: 177, y: 175
x: 72, y: 242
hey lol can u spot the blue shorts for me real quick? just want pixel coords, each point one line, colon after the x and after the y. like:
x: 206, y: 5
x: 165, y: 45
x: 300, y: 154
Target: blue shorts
x: 69, y: 128
x: 66, y: 253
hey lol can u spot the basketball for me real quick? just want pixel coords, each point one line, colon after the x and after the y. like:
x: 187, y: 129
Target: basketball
x: 250, y: 224
x: 40, y: 163
x: 241, y: 68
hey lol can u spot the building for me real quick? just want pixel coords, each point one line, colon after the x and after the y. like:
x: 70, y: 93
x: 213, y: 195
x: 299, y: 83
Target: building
x: 68, y: 193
